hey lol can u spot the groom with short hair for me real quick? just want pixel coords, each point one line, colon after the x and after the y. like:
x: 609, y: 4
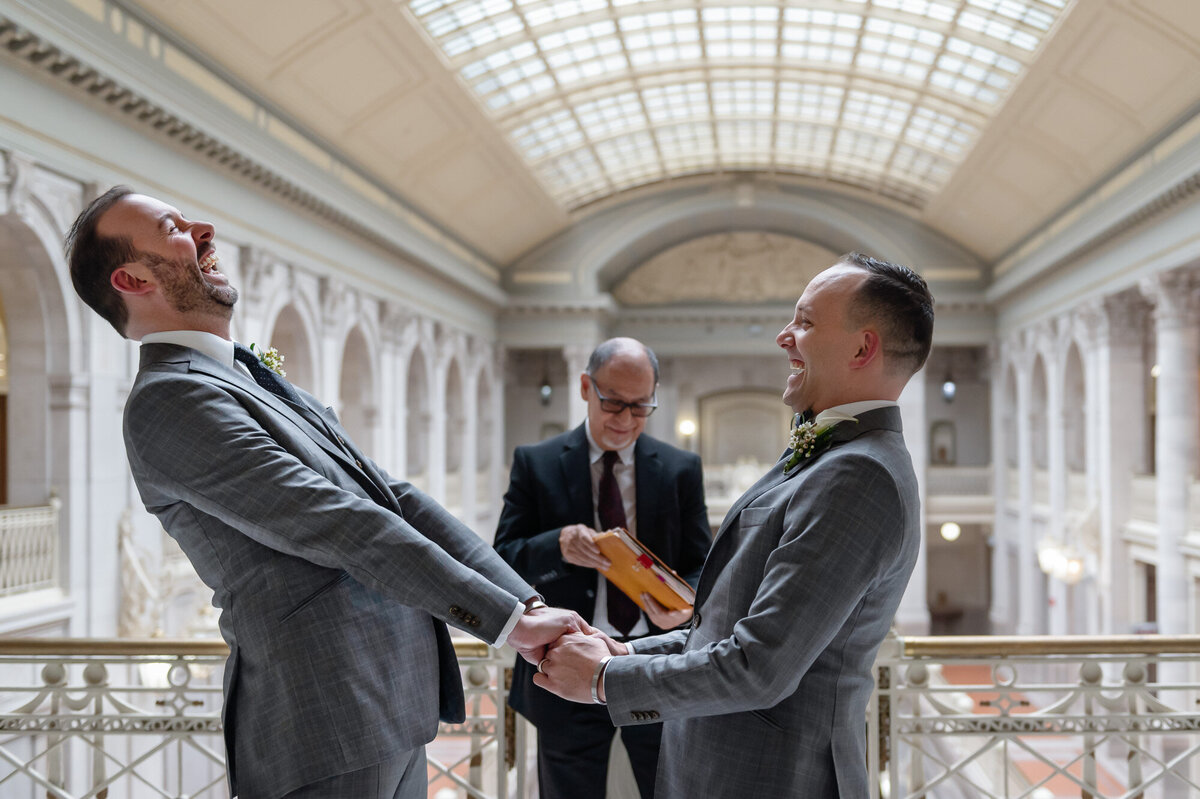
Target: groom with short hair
x: 335, y: 581
x: 765, y: 693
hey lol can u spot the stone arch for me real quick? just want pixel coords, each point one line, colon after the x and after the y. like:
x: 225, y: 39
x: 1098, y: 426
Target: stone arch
x: 455, y: 394
x: 1009, y: 412
x: 291, y: 334
x: 358, y: 392
x: 43, y: 324
x: 1037, y: 419
x: 1075, y: 408
x: 418, y: 381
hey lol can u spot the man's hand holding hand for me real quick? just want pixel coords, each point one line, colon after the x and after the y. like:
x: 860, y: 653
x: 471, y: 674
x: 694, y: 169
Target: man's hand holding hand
x: 541, y: 626
x: 578, y: 546
x: 569, y: 665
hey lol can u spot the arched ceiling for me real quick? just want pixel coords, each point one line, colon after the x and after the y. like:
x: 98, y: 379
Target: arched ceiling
x: 507, y: 122
x: 600, y: 96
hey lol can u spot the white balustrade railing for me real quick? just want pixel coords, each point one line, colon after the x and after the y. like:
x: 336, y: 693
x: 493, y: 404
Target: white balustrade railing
x: 90, y: 718
x: 959, y: 480
x: 989, y: 717
x: 29, y: 548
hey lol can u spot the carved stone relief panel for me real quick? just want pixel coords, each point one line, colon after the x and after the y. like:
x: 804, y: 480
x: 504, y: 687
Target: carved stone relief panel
x: 738, y: 267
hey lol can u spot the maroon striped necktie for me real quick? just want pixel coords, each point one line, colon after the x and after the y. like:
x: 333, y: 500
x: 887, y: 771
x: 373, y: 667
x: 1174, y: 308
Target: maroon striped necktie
x: 623, y: 613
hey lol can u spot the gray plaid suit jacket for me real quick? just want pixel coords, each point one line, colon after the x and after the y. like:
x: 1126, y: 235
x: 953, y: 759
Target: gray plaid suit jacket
x: 335, y: 581
x: 766, y: 693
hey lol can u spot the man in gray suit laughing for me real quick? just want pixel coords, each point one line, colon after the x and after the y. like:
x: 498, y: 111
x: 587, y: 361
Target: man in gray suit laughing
x: 335, y: 581
x: 765, y: 694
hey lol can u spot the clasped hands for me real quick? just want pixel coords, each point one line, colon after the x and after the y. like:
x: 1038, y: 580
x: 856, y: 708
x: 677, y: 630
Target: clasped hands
x: 565, y: 649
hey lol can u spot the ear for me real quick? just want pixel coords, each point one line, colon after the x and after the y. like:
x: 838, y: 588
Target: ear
x: 125, y: 281
x: 870, y: 348
x: 585, y: 386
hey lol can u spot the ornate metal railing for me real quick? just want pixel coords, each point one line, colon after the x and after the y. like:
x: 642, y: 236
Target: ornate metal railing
x: 84, y: 718
x: 29, y: 548
x: 990, y: 716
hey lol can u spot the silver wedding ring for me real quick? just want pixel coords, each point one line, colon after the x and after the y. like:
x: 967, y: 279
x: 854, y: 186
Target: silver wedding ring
x: 541, y: 663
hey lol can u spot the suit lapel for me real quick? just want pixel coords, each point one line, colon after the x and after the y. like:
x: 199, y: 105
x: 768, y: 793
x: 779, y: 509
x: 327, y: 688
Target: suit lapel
x: 577, y: 476
x: 648, y: 486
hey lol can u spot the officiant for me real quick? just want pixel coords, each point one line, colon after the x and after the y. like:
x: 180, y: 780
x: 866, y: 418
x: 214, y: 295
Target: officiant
x: 605, y: 473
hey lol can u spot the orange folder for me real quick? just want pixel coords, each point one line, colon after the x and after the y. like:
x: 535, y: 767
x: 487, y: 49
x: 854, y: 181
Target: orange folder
x: 635, y: 569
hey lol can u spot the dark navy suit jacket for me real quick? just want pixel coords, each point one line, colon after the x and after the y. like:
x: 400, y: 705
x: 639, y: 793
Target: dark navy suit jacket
x: 551, y: 488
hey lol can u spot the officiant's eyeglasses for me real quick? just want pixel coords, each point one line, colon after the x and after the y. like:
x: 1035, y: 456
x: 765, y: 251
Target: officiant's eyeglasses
x: 614, y: 406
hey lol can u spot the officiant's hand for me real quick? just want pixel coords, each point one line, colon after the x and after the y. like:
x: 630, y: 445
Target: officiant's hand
x: 661, y: 616
x: 578, y: 545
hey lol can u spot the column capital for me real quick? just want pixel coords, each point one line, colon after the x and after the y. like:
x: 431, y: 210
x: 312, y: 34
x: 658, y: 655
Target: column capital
x: 1115, y: 319
x: 259, y: 268
x: 1176, y: 296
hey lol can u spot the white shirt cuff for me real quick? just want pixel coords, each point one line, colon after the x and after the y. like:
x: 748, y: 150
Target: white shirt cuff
x: 629, y: 646
x: 518, y: 611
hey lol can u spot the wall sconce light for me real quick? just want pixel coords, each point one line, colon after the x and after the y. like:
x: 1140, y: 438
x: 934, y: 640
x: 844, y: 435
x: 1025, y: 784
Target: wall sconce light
x: 951, y: 531
x: 545, y: 390
x: 949, y: 388
x: 687, y: 428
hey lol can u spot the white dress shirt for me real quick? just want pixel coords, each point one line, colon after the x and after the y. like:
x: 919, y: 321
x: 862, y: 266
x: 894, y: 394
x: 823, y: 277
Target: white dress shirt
x: 623, y: 471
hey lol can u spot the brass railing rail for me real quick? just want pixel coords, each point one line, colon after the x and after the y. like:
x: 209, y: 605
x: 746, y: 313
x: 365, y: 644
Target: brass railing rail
x: 179, y: 647
x: 974, y: 646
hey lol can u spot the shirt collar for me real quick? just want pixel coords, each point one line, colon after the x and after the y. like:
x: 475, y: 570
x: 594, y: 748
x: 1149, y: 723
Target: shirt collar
x: 855, y: 408
x: 595, y: 453
x: 215, y: 347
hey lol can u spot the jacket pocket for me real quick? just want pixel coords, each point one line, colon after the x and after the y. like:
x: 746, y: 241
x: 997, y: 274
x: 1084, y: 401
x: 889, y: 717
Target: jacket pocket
x: 308, y: 600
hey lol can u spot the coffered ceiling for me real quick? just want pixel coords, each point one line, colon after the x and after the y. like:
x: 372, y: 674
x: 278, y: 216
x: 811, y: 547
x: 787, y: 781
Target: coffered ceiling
x: 506, y: 120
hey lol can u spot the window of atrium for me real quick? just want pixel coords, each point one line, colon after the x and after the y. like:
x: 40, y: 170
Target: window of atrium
x: 604, y: 95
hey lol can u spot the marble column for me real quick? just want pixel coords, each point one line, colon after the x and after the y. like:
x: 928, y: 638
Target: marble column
x: 1116, y: 324
x: 576, y: 356
x: 912, y: 616
x: 470, y: 446
x: 1176, y: 298
x: 1057, y: 472
x: 1029, y: 578
x: 436, y: 453
x: 1001, y: 612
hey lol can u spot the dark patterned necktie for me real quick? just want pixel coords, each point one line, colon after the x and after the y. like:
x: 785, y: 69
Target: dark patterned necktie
x: 264, y: 376
x: 623, y: 613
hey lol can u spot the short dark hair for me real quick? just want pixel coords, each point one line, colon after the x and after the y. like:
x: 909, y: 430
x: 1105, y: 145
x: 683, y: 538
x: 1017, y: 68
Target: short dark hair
x: 897, y: 300
x: 93, y: 258
x: 607, y: 349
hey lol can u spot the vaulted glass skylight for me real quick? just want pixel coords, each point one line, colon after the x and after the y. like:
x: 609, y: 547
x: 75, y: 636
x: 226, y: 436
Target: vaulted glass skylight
x: 604, y: 95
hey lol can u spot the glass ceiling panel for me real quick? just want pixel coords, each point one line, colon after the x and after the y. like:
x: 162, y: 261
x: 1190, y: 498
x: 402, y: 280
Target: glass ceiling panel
x: 605, y: 95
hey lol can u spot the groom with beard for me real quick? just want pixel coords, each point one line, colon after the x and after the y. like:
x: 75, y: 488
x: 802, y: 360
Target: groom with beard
x: 334, y: 580
x: 765, y: 694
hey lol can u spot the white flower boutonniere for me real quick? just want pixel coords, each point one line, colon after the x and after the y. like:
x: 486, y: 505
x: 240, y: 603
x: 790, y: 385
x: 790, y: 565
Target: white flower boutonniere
x: 813, y: 436
x: 271, y: 358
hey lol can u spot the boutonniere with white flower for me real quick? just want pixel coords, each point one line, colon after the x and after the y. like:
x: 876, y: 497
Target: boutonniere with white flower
x: 808, y: 438
x: 271, y: 358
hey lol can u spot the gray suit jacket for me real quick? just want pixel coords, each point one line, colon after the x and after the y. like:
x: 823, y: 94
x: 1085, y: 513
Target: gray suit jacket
x: 766, y: 693
x: 334, y: 580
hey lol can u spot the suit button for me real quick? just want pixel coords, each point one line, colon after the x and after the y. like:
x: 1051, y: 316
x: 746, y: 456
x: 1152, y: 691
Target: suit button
x: 653, y: 714
x: 341, y: 441
x: 455, y: 610
x: 358, y: 463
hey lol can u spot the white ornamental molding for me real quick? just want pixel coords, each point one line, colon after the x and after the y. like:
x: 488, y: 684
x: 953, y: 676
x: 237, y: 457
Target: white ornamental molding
x: 737, y: 267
